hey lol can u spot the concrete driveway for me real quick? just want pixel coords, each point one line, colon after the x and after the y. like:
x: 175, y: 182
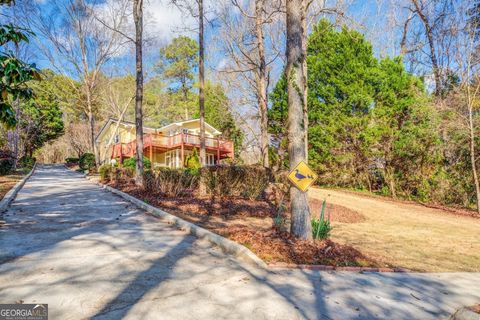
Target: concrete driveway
x: 89, y: 254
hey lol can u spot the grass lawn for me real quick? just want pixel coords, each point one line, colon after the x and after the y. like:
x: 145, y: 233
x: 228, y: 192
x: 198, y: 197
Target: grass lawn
x: 404, y: 234
x: 8, y: 181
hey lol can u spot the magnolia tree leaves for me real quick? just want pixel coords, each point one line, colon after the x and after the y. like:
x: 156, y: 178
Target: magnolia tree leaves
x: 14, y: 73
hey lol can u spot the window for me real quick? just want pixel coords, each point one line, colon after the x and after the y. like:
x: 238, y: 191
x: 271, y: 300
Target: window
x: 168, y: 159
x: 172, y: 159
x: 210, y: 159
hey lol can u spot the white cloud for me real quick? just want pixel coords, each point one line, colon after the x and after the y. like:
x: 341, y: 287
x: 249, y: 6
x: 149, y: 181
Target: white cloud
x: 165, y: 21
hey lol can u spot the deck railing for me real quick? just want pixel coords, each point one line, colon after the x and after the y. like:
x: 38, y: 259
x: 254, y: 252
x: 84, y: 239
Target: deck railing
x: 172, y: 142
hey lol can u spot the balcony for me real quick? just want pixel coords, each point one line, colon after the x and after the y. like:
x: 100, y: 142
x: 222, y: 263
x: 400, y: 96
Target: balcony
x: 160, y: 143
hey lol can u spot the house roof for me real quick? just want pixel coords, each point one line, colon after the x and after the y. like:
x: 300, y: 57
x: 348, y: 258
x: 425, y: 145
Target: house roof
x: 181, y: 123
x: 155, y: 130
x: 123, y: 123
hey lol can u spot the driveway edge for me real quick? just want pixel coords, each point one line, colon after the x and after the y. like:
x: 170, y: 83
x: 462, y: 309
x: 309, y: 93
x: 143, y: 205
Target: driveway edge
x: 227, y: 245
x: 12, y: 193
x: 464, y: 314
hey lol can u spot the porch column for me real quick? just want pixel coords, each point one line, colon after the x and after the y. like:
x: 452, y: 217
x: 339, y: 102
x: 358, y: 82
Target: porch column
x: 121, y: 153
x: 151, y: 154
x: 218, y: 151
x: 182, y: 151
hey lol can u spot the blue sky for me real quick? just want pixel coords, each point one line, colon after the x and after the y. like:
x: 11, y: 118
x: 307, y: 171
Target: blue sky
x: 165, y: 21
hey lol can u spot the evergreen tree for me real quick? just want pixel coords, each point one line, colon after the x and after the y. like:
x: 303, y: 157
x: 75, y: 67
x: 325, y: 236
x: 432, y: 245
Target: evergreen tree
x: 370, y: 122
x: 177, y: 64
x: 341, y: 78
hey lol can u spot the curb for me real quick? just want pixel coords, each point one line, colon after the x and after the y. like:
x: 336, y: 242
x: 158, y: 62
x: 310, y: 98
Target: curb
x: 227, y: 245
x: 12, y: 193
x: 334, y: 268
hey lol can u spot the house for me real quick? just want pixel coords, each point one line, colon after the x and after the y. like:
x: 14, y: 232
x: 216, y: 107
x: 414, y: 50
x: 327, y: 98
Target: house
x: 167, y: 146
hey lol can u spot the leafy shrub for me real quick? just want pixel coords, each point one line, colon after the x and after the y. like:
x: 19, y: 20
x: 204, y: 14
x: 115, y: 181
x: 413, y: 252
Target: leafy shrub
x: 236, y: 181
x: 321, y: 227
x: 192, y: 161
x: 86, y: 161
x: 120, y: 175
x: 193, y: 171
x: 171, y: 182
x: 6, y: 166
x: 280, y: 221
x: 71, y: 160
x: 6, y: 162
x: 105, y: 171
x: 26, y: 162
x: 131, y: 163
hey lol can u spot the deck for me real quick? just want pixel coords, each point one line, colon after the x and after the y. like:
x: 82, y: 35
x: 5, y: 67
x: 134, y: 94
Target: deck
x: 184, y: 141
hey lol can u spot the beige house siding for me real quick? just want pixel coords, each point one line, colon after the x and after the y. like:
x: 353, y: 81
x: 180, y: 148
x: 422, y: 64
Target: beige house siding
x: 125, y: 134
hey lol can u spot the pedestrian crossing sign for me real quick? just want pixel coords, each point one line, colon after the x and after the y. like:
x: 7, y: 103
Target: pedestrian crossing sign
x: 302, y: 176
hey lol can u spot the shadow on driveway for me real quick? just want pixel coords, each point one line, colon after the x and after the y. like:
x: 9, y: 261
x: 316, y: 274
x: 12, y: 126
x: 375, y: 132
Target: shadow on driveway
x: 89, y: 254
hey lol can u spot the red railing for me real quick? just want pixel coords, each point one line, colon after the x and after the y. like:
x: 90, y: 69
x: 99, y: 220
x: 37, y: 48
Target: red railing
x: 224, y: 147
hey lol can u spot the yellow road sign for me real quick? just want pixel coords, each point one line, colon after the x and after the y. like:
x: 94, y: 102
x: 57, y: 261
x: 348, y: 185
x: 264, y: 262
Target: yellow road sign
x: 302, y: 176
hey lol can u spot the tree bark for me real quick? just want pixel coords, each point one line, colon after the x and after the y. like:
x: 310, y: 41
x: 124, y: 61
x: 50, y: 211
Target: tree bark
x: 301, y: 225
x: 201, y: 83
x: 433, y: 55
x: 91, y: 125
x: 138, y: 20
x: 262, y: 81
x: 16, y: 134
x: 115, y: 130
x: 403, y: 41
x: 305, y: 72
x: 390, y: 177
x: 185, y: 99
x: 471, y: 129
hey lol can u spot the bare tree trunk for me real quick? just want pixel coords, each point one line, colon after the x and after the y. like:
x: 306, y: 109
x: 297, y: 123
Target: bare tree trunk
x: 201, y: 83
x: 91, y: 125
x: 115, y: 130
x: 16, y: 134
x: 471, y: 130
x: 138, y: 19
x: 305, y: 73
x: 262, y: 81
x: 185, y: 99
x: 433, y: 55
x: 403, y: 41
x: 390, y: 177
x: 300, y: 227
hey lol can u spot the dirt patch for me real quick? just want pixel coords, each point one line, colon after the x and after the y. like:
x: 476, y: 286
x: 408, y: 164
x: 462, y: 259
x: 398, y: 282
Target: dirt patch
x: 335, y: 212
x: 475, y: 308
x: 72, y: 166
x: 250, y: 223
x: 7, y: 182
